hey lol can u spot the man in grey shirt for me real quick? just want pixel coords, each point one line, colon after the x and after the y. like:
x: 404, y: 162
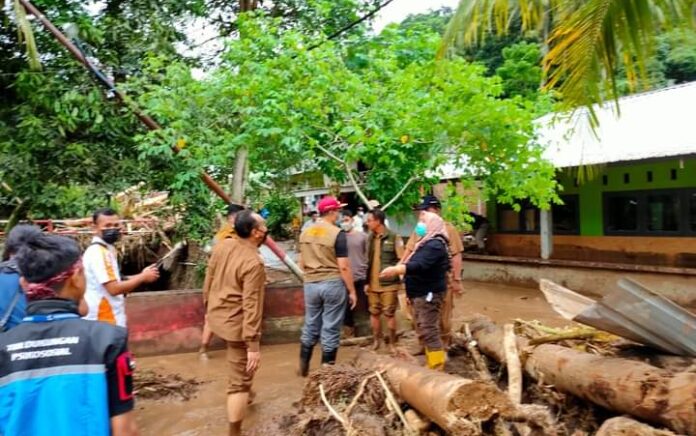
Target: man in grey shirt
x: 357, y: 253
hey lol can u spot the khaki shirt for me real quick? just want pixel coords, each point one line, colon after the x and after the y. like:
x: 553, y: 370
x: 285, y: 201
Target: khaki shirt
x: 233, y: 291
x: 455, y: 241
x: 376, y: 263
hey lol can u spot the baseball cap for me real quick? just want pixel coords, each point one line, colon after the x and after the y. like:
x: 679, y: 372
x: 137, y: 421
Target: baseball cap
x: 373, y: 204
x: 429, y: 201
x: 328, y: 204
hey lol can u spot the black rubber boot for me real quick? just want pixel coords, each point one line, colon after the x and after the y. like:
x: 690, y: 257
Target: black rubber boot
x: 305, y: 357
x: 328, y: 357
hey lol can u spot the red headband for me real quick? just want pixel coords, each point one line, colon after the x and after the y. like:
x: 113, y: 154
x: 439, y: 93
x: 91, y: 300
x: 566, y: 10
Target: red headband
x: 43, y: 290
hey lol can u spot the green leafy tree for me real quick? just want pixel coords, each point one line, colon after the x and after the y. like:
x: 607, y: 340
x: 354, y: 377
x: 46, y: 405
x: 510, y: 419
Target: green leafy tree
x: 679, y: 55
x: 520, y: 70
x: 59, y: 137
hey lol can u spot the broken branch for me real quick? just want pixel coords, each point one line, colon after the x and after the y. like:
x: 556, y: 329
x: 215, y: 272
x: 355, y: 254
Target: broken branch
x: 514, y: 368
x: 395, y: 404
x: 333, y: 411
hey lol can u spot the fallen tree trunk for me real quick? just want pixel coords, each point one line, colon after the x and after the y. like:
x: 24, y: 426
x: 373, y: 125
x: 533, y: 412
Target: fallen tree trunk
x: 625, y: 426
x: 456, y: 404
x: 621, y: 385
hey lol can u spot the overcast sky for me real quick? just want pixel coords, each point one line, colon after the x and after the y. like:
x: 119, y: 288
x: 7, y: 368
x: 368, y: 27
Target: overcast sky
x: 397, y: 10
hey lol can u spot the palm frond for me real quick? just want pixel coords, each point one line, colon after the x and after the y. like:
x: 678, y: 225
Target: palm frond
x: 474, y: 19
x: 588, y: 40
x: 588, y: 45
x: 26, y: 36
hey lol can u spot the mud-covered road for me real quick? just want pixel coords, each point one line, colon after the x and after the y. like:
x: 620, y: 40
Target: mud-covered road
x: 276, y: 384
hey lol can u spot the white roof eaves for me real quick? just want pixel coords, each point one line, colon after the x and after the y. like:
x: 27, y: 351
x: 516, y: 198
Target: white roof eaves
x: 651, y: 125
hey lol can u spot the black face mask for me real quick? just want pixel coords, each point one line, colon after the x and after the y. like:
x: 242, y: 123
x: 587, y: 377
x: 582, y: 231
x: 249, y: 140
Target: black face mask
x: 110, y: 236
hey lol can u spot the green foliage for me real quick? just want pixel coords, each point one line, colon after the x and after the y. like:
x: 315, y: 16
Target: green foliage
x: 58, y: 135
x: 314, y: 18
x: 382, y: 101
x: 455, y: 209
x: 385, y: 103
x: 679, y: 54
x: 588, y: 41
x: 282, y: 207
x: 63, y: 147
x: 520, y: 71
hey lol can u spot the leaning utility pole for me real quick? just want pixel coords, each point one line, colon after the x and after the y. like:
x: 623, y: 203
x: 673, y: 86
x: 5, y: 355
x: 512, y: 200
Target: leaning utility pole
x: 150, y: 123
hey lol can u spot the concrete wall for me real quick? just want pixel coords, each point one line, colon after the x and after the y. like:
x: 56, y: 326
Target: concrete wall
x: 647, y: 250
x: 593, y: 282
x: 172, y: 321
x: 167, y: 322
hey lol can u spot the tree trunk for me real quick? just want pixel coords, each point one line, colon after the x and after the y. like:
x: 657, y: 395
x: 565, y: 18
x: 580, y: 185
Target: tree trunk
x: 625, y: 426
x: 621, y: 385
x: 450, y: 401
x: 239, y: 175
x: 241, y: 158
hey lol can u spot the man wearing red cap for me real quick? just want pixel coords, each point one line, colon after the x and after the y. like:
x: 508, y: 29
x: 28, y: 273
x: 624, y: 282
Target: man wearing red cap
x: 327, y: 275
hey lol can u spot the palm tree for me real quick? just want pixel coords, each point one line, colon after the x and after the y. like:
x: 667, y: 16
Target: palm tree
x: 586, y: 40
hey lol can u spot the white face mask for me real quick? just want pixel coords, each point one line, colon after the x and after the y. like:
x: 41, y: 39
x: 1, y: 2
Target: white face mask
x: 346, y: 227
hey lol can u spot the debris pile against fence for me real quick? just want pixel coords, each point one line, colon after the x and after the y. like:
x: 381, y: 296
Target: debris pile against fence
x: 152, y: 385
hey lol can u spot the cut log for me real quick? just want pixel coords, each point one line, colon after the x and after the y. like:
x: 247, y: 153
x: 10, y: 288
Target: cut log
x: 625, y: 426
x: 621, y: 385
x: 455, y: 404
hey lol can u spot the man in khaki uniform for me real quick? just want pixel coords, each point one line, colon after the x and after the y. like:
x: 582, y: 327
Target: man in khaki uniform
x: 384, y: 248
x: 327, y: 276
x: 431, y: 203
x: 226, y: 232
x: 233, y: 296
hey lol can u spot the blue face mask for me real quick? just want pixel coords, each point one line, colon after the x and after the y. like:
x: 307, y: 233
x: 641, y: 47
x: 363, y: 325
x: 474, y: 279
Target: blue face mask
x: 421, y: 230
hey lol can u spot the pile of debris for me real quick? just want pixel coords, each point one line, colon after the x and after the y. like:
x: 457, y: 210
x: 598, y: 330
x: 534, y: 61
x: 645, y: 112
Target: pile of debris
x: 339, y: 400
x: 518, y: 379
x: 148, y: 384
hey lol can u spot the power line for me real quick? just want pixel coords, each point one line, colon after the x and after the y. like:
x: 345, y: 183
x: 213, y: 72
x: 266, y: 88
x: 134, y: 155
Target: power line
x: 334, y: 35
x: 346, y: 28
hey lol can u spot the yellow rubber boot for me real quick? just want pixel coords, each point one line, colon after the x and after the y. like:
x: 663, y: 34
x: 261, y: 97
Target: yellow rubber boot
x: 435, y: 359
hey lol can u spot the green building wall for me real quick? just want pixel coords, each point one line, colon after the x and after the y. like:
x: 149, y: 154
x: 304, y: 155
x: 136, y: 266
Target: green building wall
x: 590, y: 191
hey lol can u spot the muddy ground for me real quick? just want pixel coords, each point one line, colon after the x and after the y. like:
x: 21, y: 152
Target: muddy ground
x: 276, y: 384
